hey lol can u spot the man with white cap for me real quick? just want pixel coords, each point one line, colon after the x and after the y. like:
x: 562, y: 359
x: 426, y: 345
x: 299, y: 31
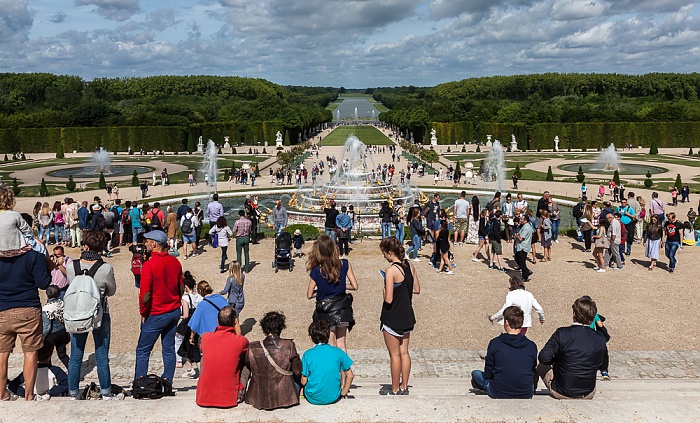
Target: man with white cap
x: 159, y: 304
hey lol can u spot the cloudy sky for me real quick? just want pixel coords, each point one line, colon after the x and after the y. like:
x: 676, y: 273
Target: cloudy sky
x: 351, y: 43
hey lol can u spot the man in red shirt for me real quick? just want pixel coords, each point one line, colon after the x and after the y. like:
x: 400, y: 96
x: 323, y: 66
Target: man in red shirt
x: 223, y: 353
x: 159, y: 304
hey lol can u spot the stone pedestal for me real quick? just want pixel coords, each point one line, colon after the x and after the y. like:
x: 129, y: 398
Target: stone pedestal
x: 200, y: 145
x: 488, y: 141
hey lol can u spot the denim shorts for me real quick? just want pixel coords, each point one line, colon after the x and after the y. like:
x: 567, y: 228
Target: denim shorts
x: 189, y: 239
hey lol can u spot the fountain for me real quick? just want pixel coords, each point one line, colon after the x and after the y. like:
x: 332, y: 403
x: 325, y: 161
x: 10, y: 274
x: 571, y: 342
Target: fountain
x: 608, y: 159
x: 352, y: 184
x: 356, y: 117
x: 101, y: 161
x: 494, y: 169
x: 337, y: 115
x: 209, y: 168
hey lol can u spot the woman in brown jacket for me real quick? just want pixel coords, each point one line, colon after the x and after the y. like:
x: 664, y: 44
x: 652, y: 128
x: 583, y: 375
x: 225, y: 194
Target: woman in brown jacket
x: 171, y: 224
x: 270, y: 376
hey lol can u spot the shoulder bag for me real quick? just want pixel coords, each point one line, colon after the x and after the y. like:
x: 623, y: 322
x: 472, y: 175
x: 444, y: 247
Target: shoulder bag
x: 272, y: 362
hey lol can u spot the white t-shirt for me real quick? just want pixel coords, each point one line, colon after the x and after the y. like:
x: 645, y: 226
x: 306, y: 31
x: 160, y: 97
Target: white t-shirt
x: 462, y: 207
x: 521, y: 205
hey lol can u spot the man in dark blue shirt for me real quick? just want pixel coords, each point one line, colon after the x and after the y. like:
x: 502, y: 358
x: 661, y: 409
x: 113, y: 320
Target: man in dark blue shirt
x: 83, y: 217
x: 510, y: 361
x: 182, y: 210
x: 20, y: 314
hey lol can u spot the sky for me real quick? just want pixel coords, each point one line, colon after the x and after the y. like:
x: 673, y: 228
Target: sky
x: 349, y: 43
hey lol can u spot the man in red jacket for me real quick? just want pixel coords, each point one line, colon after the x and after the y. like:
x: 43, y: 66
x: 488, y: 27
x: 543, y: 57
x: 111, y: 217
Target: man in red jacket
x: 223, y: 353
x: 159, y: 304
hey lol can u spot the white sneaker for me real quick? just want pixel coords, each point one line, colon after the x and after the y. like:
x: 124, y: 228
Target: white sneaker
x: 45, y: 397
x: 449, y: 272
x: 417, y: 259
x: 118, y: 397
x: 557, y: 241
x: 600, y: 270
x: 475, y: 259
x: 596, y: 268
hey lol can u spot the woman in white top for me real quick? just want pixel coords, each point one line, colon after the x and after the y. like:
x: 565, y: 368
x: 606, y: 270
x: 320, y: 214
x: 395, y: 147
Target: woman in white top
x: 222, y: 233
x: 522, y: 298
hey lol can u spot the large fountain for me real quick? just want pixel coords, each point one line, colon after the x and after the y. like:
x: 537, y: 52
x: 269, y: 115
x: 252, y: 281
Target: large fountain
x: 494, y: 167
x: 101, y: 161
x: 209, y: 168
x: 608, y: 159
x: 352, y: 184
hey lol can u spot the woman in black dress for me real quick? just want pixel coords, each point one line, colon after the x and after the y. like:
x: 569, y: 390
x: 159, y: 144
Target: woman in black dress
x: 443, y: 247
x: 397, y: 317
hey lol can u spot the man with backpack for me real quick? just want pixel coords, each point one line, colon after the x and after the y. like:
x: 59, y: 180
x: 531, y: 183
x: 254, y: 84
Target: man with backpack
x: 156, y: 217
x: 117, y: 224
x: 99, y: 224
x: 159, y: 305
x: 188, y: 223
x: 578, y: 214
x: 125, y: 225
x: 135, y: 215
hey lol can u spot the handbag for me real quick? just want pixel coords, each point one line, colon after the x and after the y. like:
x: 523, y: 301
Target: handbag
x: 272, y: 362
x: 602, y: 242
x: 214, y: 239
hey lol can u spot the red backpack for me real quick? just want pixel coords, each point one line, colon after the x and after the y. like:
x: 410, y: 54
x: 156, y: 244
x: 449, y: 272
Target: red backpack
x: 126, y: 218
x: 136, y: 264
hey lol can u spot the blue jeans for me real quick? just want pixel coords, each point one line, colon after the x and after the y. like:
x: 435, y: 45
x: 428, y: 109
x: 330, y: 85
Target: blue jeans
x: 278, y: 228
x: 386, y: 229
x: 58, y: 230
x: 77, y: 350
x: 136, y: 230
x: 163, y: 326
x: 416, y: 244
x: 555, y: 229
x: 671, y: 248
x: 400, y: 233
x: 480, y: 383
x: 44, y: 231
x: 331, y: 233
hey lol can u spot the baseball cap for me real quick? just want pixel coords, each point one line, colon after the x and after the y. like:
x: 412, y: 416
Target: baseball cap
x: 158, y: 236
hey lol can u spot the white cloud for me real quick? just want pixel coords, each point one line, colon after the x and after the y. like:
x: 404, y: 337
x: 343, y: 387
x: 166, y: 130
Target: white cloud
x: 118, y: 10
x: 15, y: 22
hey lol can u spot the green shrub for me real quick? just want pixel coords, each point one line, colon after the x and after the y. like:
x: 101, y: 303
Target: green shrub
x: 135, y: 179
x: 550, y: 176
x: 580, y: 176
x: 250, y: 151
x: 233, y: 150
x: 616, y: 177
x: 464, y: 149
x: 539, y: 150
x: 70, y: 185
x: 599, y: 149
x: 309, y: 232
x: 478, y: 149
x: 678, y: 184
x: 448, y: 149
x: 690, y: 152
x: 517, y: 171
x: 59, y: 151
x: 647, y: 182
x: 6, y: 159
x: 15, y: 186
x: 102, y: 183
x: 654, y: 149
x: 43, y: 189
x: 264, y: 150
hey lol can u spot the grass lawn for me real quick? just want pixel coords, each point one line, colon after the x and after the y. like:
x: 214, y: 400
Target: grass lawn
x: 367, y: 134
x: 379, y: 106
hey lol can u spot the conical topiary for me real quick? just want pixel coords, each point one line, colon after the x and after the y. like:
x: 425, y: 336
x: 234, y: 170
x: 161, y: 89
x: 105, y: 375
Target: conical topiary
x: 654, y: 149
x: 679, y: 183
x: 43, y: 189
x: 102, y: 183
x: 550, y: 176
x: 15, y: 186
x: 59, y: 151
x: 517, y: 171
x: 616, y: 177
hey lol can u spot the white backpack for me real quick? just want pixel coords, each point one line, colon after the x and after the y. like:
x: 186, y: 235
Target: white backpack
x: 82, y: 302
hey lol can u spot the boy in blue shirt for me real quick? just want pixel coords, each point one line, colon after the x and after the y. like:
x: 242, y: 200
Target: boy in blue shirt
x: 322, y: 367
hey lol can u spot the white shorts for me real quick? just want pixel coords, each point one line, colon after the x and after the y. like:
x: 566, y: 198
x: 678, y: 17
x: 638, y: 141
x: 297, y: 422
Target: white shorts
x: 391, y: 332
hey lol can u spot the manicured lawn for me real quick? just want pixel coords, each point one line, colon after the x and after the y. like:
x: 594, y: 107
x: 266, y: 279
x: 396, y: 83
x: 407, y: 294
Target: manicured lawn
x: 367, y: 134
x: 379, y: 106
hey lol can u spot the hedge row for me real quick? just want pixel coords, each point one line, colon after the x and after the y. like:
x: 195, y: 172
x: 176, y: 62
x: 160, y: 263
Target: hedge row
x: 250, y: 134
x: 575, y: 135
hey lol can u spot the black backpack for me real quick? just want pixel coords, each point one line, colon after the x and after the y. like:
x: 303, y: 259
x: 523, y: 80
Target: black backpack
x: 151, y: 387
x: 187, y: 226
x: 578, y: 210
x: 101, y: 223
x: 491, y: 228
x: 155, y: 222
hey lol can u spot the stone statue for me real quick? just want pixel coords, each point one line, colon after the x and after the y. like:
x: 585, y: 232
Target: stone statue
x: 279, y: 141
x: 433, y: 138
x: 513, y: 143
x: 200, y: 145
x: 556, y: 143
x: 226, y: 143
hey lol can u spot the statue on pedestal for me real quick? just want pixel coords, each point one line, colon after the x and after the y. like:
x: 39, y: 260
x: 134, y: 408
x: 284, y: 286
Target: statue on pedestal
x: 488, y: 141
x: 513, y: 143
x: 556, y: 143
x: 279, y: 141
x: 433, y: 138
x: 226, y: 143
x: 200, y: 145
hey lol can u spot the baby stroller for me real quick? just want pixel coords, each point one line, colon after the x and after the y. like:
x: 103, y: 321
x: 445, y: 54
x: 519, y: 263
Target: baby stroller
x: 283, y: 252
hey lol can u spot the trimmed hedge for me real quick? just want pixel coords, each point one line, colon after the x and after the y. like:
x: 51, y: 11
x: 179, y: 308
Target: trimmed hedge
x: 309, y: 232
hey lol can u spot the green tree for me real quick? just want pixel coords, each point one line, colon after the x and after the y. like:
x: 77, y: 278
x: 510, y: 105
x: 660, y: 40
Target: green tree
x: 690, y: 152
x: 135, y: 179
x: 190, y: 143
x: 15, y: 186
x: 458, y: 168
x: 43, y: 189
x: 102, y: 183
x: 679, y: 183
x: 517, y: 171
x: 580, y: 176
x: 648, y: 182
x: 70, y: 185
x: 616, y: 177
x: 654, y: 149
x: 6, y: 159
x: 478, y: 149
x: 429, y: 156
x: 59, y: 151
x: 550, y: 176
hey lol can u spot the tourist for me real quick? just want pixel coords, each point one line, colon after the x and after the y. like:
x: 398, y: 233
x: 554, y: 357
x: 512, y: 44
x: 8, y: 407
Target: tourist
x: 601, y: 192
x: 461, y: 216
x: 586, y: 227
x: 614, y: 233
x: 442, y: 242
x: 223, y: 354
x: 59, y: 272
x: 234, y: 287
x: 273, y: 366
x: 494, y: 238
x: 601, y: 243
x: 215, y: 210
x: 59, y: 224
x: 298, y: 242
x: 514, y: 178
x: 535, y: 235
x: 542, y: 205
x: 323, y: 383
x: 199, y: 215
x: 400, y: 218
x: 330, y: 279
x: 144, y: 188
x: 156, y: 217
x: 222, y: 232
x: 186, y: 350
x: 627, y: 219
x: 252, y: 212
x: 344, y: 227
x: 431, y: 212
x: 54, y: 330
x: 674, y: 196
x: 584, y: 190
x: 135, y: 215
x: 386, y: 216
x: 657, y: 207
x: 555, y: 218
x: 182, y: 209
x: 546, y: 238
x: 520, y: 297
x: 280, y: 217
x: 523, y: 245
x: 397, y: 316
x: 673, y: 232
x: 187, y: 225
x: 51, y: 381
x: 331, y: 213
x: 45, y: 220
x: 521, y: 205
x: 511, y: 358
x: 473, y: 230
x: 72, y: 223
x: 416, y: 233
x: 171, y: 225
x: 688, y: 234
x: 483, y: 235
x: 571, y: 358
x: 242, y: 228
x: 652, y: 241
x: 160, y: 296
x: 103, y: 274
x: 204, y: 318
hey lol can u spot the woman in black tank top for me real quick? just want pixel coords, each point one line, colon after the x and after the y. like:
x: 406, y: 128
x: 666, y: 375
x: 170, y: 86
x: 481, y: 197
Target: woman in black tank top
x: 397, y: 317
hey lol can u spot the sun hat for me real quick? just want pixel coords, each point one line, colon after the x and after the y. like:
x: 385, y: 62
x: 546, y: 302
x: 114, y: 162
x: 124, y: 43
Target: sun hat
x: 297, y: 232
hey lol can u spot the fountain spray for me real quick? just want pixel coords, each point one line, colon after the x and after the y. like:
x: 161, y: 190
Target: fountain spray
x: 209, y: 168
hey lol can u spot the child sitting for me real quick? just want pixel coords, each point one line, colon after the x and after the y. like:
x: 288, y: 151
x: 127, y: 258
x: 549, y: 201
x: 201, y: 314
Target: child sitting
x: 322, y: 367
x: 14, y: 230
x: 50, y: 380
x: 688, y: 234
x: 298, y: 242
x: 52, y: 318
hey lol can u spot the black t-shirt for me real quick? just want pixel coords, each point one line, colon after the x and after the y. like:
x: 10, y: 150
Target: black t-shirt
x: 542, y: 204
x: 431, y: 211
x: 331, y: 214
x: 673, y: 233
